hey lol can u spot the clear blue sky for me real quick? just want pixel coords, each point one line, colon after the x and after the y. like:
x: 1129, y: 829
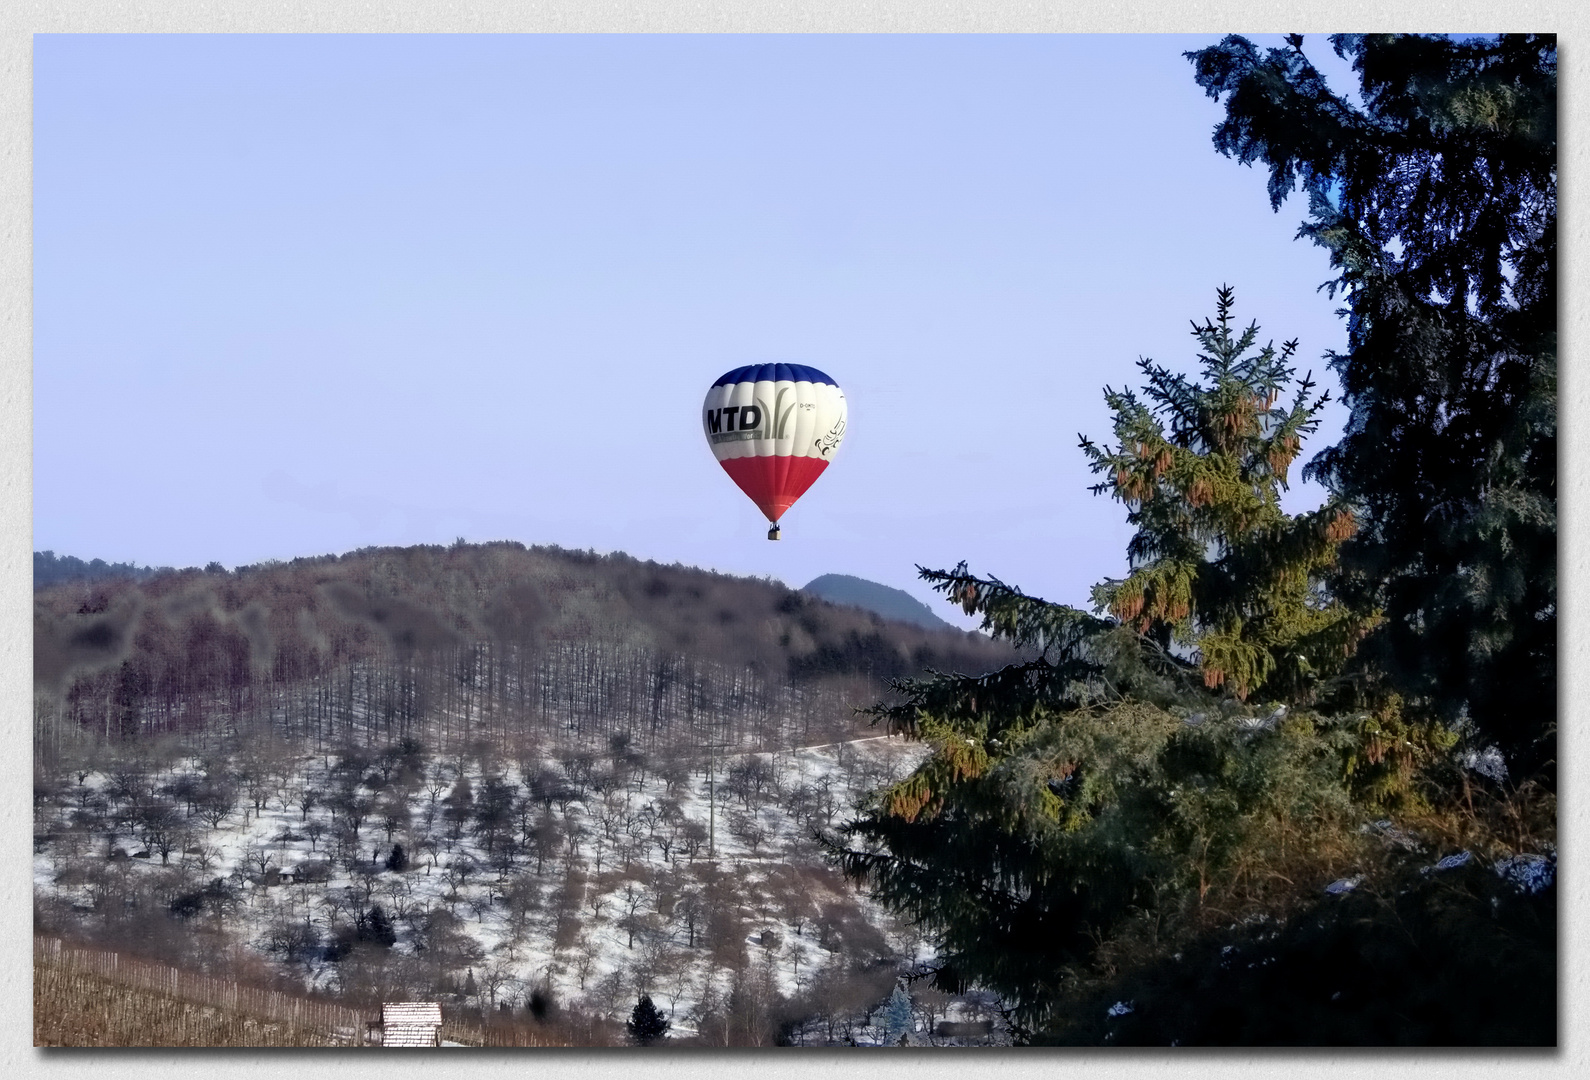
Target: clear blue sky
x: 298, y: 295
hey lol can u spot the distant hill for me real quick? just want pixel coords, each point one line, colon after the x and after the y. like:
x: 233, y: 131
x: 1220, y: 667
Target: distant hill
x: 870, y: 596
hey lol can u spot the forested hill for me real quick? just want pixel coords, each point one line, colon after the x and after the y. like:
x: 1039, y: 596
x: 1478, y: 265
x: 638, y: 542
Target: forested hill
x: 494, y: 641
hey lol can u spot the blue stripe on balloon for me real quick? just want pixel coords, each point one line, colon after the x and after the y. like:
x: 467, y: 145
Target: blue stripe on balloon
x: 774, y: 373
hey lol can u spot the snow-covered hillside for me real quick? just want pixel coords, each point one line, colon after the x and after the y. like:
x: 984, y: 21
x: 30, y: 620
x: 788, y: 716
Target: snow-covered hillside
x: 582, y: 881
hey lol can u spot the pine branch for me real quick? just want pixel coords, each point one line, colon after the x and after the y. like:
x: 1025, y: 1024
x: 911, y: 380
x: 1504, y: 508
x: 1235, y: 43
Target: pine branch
x: 1026, y: 621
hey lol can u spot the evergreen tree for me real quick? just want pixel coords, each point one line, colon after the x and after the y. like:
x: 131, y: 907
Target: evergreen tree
x: 646, y: 1024
x: 898, y: 1020
x: 398, y: 860
x: 1215, y: 564
x: 459, y: 805
x: 1437, y: 203
x: 375, y: 927
x: 1120, y: 779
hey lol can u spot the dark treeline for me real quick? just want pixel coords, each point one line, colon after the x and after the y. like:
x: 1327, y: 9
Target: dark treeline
x: 52, y: 569
x: 455, y: 645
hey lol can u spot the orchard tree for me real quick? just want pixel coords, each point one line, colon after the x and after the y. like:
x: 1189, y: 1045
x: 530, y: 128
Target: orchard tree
x: 1436, y: 200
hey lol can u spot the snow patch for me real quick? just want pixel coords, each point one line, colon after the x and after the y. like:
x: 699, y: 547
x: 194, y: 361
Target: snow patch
x: 1451, y: 862
x: 1529, y: 873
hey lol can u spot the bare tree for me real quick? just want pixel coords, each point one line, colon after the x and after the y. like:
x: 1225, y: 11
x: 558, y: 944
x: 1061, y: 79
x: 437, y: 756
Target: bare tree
x: 258, y: 858
x: 352, y: 808
x: 431, y: 849
x: 584, y: 959
x: 521, y: 899
x: 304, y: 794
x: 749, y: 830
x: 692, y: 838
x: 205, y: 855
x: 399, y: 892
x: 493, y: 977
x: 547, y: 838
x: 160, y: 828
x: 392, y: 812
x: 216, y: 803
x: 691, y: 910
x: 366, y: 875
x: 438, y: 780
x: 631, y: 895
x: 336, y: 904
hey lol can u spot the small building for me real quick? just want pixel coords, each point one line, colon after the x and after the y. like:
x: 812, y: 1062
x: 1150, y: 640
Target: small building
x: 411, y: 1023
x: 976, y: 1029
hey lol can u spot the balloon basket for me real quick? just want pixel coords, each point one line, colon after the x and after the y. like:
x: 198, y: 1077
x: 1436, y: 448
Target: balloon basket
x: 772, y: 531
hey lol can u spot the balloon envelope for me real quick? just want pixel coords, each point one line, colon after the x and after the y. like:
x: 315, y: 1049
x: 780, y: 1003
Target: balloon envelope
x: 774, y: 428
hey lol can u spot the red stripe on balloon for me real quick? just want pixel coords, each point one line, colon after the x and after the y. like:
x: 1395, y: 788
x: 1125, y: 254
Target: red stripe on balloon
x: 774, y: 483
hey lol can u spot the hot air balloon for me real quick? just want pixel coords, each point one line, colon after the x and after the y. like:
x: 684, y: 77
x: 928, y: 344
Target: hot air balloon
x: 774, y: 428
